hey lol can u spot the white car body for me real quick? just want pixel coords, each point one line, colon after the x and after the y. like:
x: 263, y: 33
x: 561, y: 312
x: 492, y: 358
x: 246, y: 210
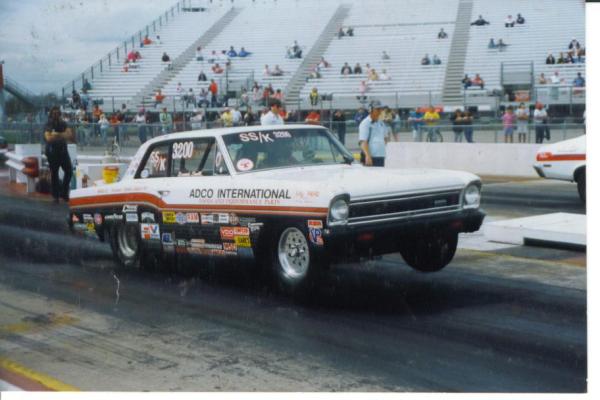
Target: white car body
x: 561, y: 160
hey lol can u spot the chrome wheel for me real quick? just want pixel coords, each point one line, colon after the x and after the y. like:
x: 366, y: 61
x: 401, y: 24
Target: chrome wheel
x: 293, y: 254
x: 127, y: 239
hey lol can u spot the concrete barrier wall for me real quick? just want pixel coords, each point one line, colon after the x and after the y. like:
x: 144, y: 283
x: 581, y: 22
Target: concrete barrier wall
x: 491, y: 159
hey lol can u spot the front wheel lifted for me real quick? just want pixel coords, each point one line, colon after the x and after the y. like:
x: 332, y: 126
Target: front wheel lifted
x: 429, y: 252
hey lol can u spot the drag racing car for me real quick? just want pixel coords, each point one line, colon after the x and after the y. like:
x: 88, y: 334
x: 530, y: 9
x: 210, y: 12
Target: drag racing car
x: 290, y: 197
x: 564, y: 161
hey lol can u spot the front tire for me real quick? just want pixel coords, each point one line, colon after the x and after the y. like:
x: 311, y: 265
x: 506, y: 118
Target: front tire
x: 293, y: 260
x: 429, y: 252
x: 581, y: 185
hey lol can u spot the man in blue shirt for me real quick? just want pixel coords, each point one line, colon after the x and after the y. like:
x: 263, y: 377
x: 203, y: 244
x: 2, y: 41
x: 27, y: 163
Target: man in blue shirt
x: 373, y: 135
x: 579, y: 81
x: 415, y: 119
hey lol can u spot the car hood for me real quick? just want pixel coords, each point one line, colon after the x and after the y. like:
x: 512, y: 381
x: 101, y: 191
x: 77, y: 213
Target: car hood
x: 570, y: 146
x: 359, y: 181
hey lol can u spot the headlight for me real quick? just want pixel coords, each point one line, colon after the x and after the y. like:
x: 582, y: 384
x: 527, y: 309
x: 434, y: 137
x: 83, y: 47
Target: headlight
x: 472, y: 196
x: 339, y: 210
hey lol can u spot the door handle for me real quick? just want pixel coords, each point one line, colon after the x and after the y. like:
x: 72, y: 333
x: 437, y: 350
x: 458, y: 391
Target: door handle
x: 164, y: 193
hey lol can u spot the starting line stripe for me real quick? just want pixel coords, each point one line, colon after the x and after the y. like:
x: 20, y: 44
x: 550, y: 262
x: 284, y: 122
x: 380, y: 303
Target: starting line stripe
x: 28, y: 379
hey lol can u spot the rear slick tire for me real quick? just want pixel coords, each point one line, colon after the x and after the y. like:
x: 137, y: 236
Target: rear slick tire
x: 581, y: 185
x: 430, y: 252
x: 127, y: 249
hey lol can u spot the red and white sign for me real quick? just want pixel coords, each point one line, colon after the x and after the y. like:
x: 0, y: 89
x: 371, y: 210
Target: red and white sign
x: 244, y: 164
x: 227, y: 233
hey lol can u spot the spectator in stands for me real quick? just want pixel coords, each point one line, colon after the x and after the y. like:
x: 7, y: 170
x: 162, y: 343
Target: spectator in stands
x: 509, y: 22
x: 75, y: 99
x: 86, y: 86
x: 315, y: 72
x: 346, y: 69
x: 508, y: 122
x: 146, y: 41
x: 373, y: 135
x: 272, y: 117
x: 339, y: 124
x: 492, y: 44
x: 373, y: 76
x: 166, y: 59
x: 243, y: 53
x: 202, y: 98
x: 202, y: 77
x: 522, y: 115
x: 363, y: 87
x: 550, y: 59
x: 217, y: 69
x: 466, y: 81
x: 140, y: 120
x: 131, y: 56
x: 278, y: 95
x: 442, y: 34
x: 540, y: 118
x: 426, y: 60
x: 579, y: 81
x: 477, y: 81
x: 313, y: 96
x: 227, y: 118
x: 436, y: 60
x: 480, y: 22
x: 569, y: 59
x: 556, y: 79
x: 179, y: 91
x: 384, y: 76
x: 385, y: 56
x: 115, y: 121
x: 266, y: 70
x: 501, y: 45
x: 256, y: 92
x: 232, y: 52
x: 213, y: 57
x: 244, y: 97
x: 158, y: 97
x: 520, y: 19
x: 104, y: 123
x: 324, y: 63
x: 313, y: 118
x: 574, y: 44
x: 296, y: 51
x: 387, y: 117
x: 189, y: 98
x: 542, y: 80
x: 267, y: 93
x: 357, y: 69
x: 249, y: 118
x: 368, y: 69
x: 197, y: 119
x: 341, y: 33
x: 432, y: 119
x: 361, y: 114
x: 457, y: 126
x: 199, y: 55
x: 467, y: 122
x: 277, y: 71
x: 581, y: 54
x: 214, y: 90
x: 166, y: 121
x: 236, y: 116
x: 561, y: 59
x: 350, y: 31
x: 158, y: 41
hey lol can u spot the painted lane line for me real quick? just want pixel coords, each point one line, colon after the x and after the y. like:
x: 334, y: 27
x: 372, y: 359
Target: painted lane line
x: 28, y: 379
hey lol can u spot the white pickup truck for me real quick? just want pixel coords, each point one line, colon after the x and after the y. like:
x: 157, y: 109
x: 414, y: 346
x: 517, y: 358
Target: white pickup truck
x: 564, y: 161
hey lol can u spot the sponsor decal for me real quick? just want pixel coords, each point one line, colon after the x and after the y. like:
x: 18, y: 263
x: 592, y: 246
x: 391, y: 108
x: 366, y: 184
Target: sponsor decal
x: 192, y: 218
x: 227, y: 233
x: 282, y: 134
x: 227, y: 246
x: 213, y: 246
x: 98, y: 219
x: 242, y: 241
x: 79, y: 227
x: 147, y: 217
x: 315, y: 231
x: 223, y: 218
x: 245, y: 221
x: 244, y: 164
x: 206, y: 252
x: 91, y: 228
x: 180, y: 218
x: 158, y: 161
x: 255, y: 227
x: 75, y: 219
x: 241, y: 231
x: 130, y: 208
x: 168, y: 247
x: 167, y: 238
x: 181, y: 250
x: 183, y: 150
x: 196, y: 242
x: 168, y: 217
x: 131, y: 217
x: 150, y: 231
x: 113, y: 217
x: 262, y: 137
x: 181, y: 243
x: 235, y: 193
x: 315, y: 223
x: 234, y: 219
x: 207, y: 219
x: 87, y: 218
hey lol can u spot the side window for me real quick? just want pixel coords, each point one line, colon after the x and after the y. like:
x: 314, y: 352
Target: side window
x: 157, y: 163
x: 193, y: 157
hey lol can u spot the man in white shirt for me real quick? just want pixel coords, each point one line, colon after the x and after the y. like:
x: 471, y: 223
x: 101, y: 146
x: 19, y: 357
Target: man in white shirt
x: 373, y: 135
x: 540, y: 118
x: 236, y: 116
x: 522, y: 120
x: 272, y: 117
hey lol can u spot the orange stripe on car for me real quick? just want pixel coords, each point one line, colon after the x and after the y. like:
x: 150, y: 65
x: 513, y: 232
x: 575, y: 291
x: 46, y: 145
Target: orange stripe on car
x: 560, y: 157
x: 148, y: 199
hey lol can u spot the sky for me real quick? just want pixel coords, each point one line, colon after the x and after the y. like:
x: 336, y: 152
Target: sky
x: 46, y: 43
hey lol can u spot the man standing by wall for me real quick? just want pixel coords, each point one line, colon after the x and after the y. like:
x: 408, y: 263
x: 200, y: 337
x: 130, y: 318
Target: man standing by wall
x: 56, y: 134
x: 273, y: 117
x: 373, y: 135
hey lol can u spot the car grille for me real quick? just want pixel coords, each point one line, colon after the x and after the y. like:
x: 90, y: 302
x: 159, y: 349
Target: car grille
x: 398, y: 207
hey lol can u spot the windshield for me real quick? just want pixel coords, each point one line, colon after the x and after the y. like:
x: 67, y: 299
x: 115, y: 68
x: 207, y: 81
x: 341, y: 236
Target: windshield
x: 252, y: 151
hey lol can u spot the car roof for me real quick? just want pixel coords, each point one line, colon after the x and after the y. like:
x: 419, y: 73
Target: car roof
x: 200, y: 133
